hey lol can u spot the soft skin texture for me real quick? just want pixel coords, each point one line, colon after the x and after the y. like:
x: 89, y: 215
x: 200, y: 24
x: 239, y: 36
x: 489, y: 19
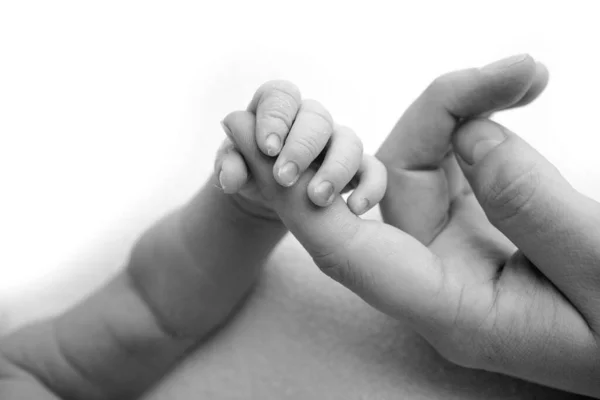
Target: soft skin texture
x: 296, y: 131
x: 308, y: 135
x: 528, y: 309
x: 300, y: 335
x: 185, y: 277
x: 303, y: 336
x: 179, y: 286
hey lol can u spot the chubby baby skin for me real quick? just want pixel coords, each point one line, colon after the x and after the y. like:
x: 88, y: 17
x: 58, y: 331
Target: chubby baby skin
x: 300, y: 133
x: 180, y: 285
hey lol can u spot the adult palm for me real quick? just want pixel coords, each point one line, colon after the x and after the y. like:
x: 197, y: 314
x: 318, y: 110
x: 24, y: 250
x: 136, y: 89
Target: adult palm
x: 504, y: 227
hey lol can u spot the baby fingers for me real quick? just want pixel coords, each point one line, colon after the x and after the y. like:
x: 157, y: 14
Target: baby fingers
x: 230, y: 168
x: 275, y: 104
x: 342, y: 161
x: 371, y: 185
x: 310, y: 133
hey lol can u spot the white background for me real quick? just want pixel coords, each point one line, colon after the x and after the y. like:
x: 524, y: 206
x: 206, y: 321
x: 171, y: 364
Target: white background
x: 110, y: 110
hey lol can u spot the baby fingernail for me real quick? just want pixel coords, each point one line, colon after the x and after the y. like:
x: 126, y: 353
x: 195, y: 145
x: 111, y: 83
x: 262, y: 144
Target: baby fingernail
x: 288, y: 174
x: 273, y: 144
x: 324, y: 191
x: 504, y: 63
x: 221, y: 180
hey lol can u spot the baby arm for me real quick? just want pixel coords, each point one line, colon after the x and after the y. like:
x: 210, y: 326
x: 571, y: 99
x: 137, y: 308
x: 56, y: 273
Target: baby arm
x: 182, y: 281
x: 184, y: 277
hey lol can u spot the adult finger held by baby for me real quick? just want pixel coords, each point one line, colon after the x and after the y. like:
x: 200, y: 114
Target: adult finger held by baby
x: 389, y: 269
x: 322, y: 230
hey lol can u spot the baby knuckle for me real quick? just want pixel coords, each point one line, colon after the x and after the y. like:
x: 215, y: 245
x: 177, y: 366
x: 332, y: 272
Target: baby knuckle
x: 277, y: 112
x: 350, y: 139
x: 280, y: 108
x: 235, y: 117
x: 357, y: 144
x: 344, y: 166
x: 282, y: 87
x: 280, y: 104
x: 315, y: 108
x: 308, y: 145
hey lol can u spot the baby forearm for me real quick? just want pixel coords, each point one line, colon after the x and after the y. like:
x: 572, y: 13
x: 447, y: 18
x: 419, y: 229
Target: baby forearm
x: 185, y: 276
x: 195, y: 265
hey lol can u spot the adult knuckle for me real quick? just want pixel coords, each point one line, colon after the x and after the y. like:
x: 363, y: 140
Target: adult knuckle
x: 473, y: 355
x: 512, y: 196
x: 493, y: 351
x: 332, y: 258
x: 471, y: 349
x: 341, y: 269
x: 439, y: 85
x: 330, y: 253
x: 500, y: 333
x: 460, y: 355
x: 458, y: 342
x: 467, y: 340
x: 327, y: 259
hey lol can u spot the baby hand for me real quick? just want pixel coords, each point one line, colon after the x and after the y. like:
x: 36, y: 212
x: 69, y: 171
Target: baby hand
x: 301, y: 133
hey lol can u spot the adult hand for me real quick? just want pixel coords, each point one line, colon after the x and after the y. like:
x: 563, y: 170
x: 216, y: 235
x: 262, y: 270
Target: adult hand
x: 487, y: 250
x: 517, y: 247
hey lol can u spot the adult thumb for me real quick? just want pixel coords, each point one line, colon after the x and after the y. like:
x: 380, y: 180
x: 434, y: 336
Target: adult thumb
x: 527, y: 199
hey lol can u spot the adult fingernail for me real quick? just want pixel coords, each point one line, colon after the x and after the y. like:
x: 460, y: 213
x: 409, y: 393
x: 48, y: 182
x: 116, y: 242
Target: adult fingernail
x: 288, y: 174
x: 226, y: 128
x: 362, y: 207
x: 484, y: 137
x: 324, y: 191
x: 273, y: 144
x: 504, y: 63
